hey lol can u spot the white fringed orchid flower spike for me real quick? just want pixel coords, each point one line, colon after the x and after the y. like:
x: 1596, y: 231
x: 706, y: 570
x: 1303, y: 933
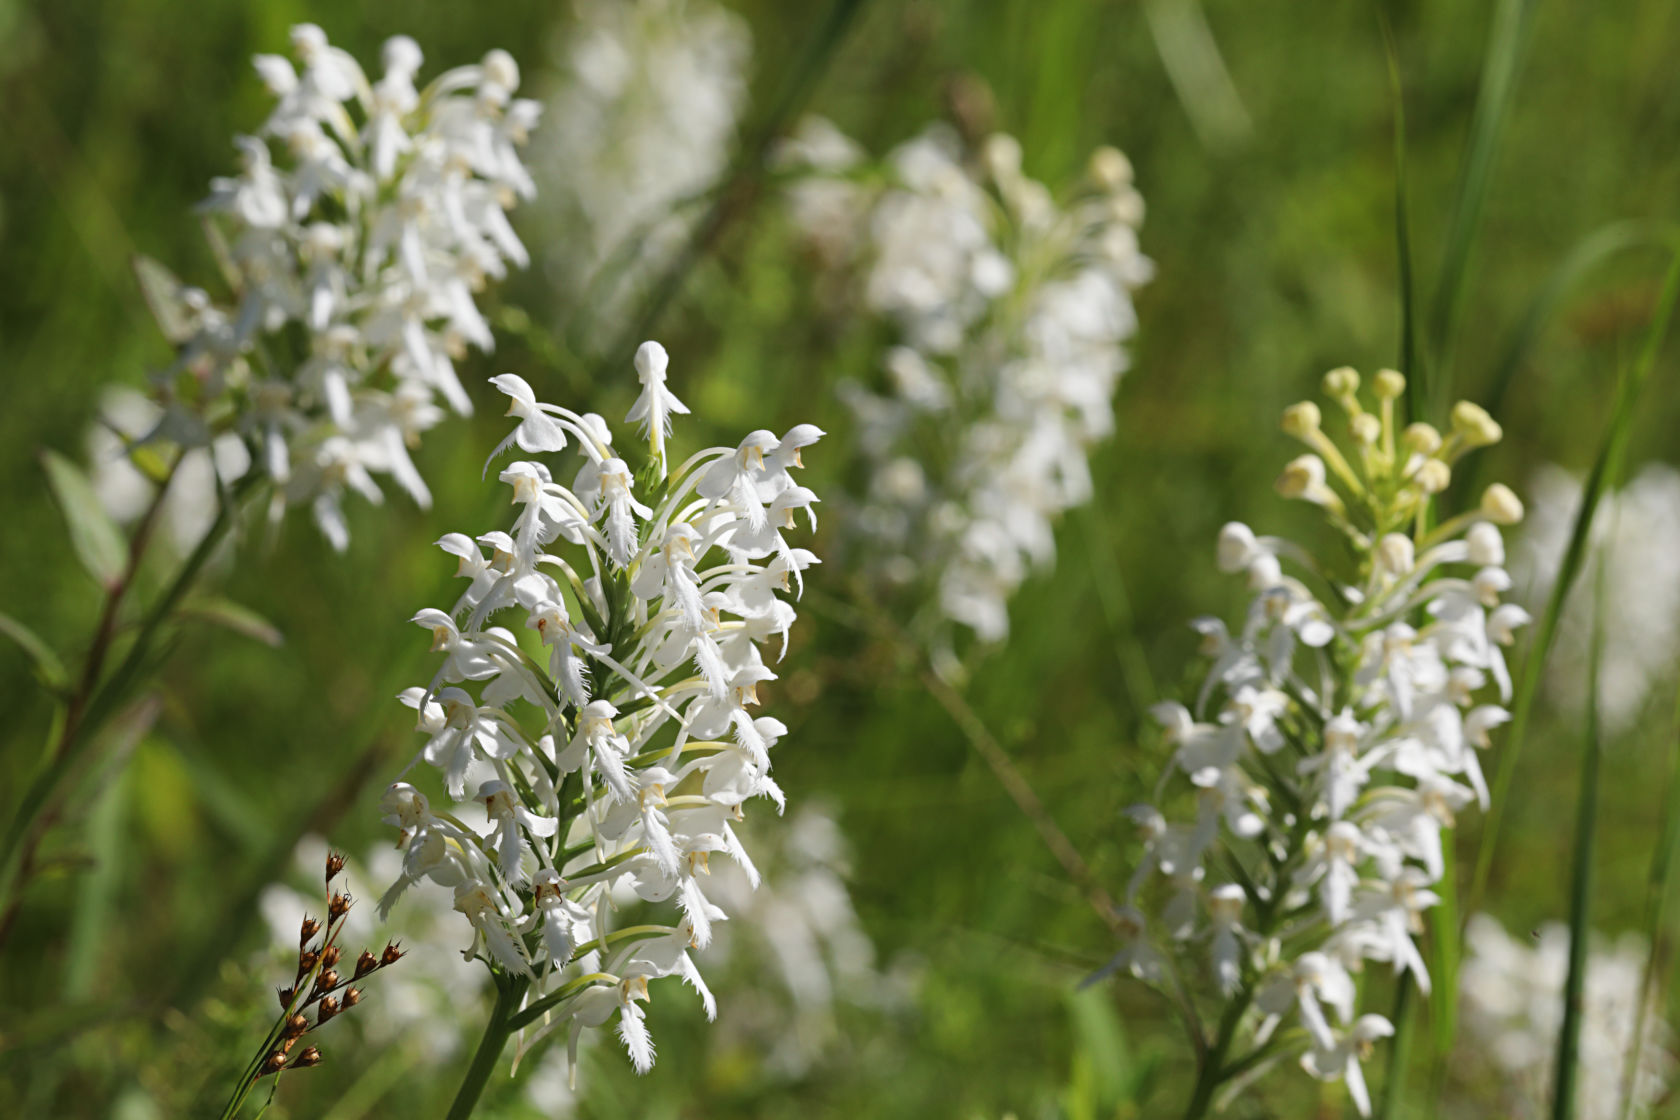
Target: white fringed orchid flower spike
x: 592, y: 704
x: 1333, y: 744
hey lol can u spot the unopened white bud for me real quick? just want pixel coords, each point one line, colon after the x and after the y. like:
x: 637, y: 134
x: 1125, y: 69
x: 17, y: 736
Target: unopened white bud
x: 1422, y: 438
x: 1341, y: 383
x: 1472, y: 423
x: 1110, y: 169
x: 1433, y: 476
x: 1302, y: 419
x: 1366, y: 428
x: 1396, y: 554
x: 1388, y: 384
x: 1501, y: 506
x: 501, y: 70
x: 1487, y: 547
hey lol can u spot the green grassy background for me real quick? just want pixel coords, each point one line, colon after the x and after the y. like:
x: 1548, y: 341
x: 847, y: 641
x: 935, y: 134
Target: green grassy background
x: 1276, y: 260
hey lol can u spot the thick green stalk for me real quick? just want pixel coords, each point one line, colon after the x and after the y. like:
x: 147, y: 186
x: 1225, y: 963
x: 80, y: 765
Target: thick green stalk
x: 1211, y: 1072
x: 509, y: 991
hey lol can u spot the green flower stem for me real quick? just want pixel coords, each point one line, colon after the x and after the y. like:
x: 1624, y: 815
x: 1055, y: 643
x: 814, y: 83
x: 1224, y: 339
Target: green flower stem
x: 509, y: 991
x: 93, y: 702
x: 1212, y: 1071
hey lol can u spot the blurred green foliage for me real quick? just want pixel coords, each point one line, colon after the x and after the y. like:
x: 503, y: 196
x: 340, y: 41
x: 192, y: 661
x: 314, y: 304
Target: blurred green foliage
x: 127, y: 981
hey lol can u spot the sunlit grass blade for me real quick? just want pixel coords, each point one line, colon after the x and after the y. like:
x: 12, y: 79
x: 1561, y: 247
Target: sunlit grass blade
x: 1655, y: 921
x: 1198, y: 74
x: 1581, y: 877
x: 1611, y: 445
x: 1512, y: 22
x: 1411, y: 361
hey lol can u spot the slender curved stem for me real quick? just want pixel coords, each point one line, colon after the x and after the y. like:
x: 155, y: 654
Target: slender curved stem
x: 94, y: 701
x: 509, y: 991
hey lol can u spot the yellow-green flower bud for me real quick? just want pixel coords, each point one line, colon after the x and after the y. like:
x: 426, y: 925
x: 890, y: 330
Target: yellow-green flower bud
x: 1396, y: 555
x: 1433, y: 476
x: 1367, y: 429
x: 1110, y: 169
x: 1388, y: 384
x: 1302, y: 420
x: 1341, y: 383
x: 1472, y: 423
x: 1422, y: 438
x: 1500, y: 505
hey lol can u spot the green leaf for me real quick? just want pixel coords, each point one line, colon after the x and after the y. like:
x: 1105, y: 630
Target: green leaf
x: 47, y: 664
x: 233, y: 616
x: 162, y: 292
x: 98, y: 542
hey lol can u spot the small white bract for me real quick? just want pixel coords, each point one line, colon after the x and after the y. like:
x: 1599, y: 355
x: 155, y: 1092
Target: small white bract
x: 1332, y: 745
x: 365, y: 219
x: 1011, y: 309
x: 593, y: 698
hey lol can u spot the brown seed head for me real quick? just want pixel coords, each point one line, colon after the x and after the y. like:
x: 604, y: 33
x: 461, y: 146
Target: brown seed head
x: 307, y: 959
x: 295, y: 1026
x: 285, y: 996
x: 310, y: 928
x: 365, y: 964
x: 352, y: 998
x: 335, y: 864
x: 338, y: 906
x: 325, y: 981
x: 310, y: 1057
x: 274, y: 1063
x: 391, y: 955
x: 329, y: 955
x: 329, y: 1008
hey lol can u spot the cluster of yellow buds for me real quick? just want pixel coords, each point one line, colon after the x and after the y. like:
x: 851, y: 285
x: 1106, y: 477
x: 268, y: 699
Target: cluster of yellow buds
x: 1384, y: 482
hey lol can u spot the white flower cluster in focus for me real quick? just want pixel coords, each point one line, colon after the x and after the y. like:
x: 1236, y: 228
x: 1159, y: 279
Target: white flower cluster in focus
x: 1334, y: 741
x: 1011, y: 310
x: 1636, y: 533
x: 365, y: 219
x: 1511, y: 1000
x: 594, y: 700
x: 642, y: 123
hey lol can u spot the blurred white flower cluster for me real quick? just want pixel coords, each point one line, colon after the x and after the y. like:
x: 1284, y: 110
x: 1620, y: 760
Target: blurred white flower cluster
x: 365, y: 219
x: 1511, y: 1000
x: 647, y: 100
x: 1011, y: 310
x: 1334, y: 741
x: 614, y: 746
x: 1636, y: 535
x: 802, y: 924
